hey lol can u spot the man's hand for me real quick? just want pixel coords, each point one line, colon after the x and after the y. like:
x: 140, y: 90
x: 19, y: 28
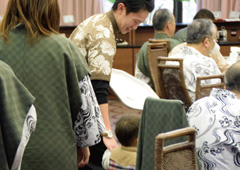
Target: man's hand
x: 110, y: 143
x: 83, y: 156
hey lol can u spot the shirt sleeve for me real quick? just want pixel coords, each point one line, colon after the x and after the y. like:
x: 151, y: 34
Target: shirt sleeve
x: 220, y: 61
x: 89, y: 124
x: 139, y: 75
x: 101, y: 89
x: 105, y: 159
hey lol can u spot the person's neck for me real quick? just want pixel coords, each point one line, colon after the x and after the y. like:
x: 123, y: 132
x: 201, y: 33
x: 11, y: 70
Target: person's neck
x: 236, y: 92
x: 163, y: 32
x: 199, y: 48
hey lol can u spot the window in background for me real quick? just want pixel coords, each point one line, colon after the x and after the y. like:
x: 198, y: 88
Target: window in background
x: 107, y: 5
x: 187, y: 9
x: 159, y: 4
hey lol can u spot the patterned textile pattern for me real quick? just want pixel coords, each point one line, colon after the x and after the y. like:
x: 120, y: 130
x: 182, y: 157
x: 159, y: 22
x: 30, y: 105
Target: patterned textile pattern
x: 95, y: 39
x: 196, y: 65
x: 85, y: 127
x: 115, y: 166
x: 217, y: 121
x: 218, y: 58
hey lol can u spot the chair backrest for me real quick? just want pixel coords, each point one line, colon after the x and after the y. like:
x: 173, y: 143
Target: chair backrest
x: 151, y: 40
x: 154, y: 50
x: 171, y: 80
x: 177, y: 156
x: 158, y: 116
x: 204, y: 90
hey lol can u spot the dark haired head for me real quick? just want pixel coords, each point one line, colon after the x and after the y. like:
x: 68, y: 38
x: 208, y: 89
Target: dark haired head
x: 135, y: 5
x: 127, y: 129
x: 232, y: 77
x: 204, y: 14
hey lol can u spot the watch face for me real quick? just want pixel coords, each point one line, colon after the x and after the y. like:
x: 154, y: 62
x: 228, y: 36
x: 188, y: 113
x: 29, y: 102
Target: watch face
x: 110, y: 134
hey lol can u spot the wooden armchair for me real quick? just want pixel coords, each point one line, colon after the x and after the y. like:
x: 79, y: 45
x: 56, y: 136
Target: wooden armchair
x: 156, y: 49
x: 171, y: 80
x: 204, y: 90
x: 177, y: 156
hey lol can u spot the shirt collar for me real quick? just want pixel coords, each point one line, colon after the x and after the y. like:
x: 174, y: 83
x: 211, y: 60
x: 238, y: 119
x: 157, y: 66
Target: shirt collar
x: 113, y: 21
x: 129, y: 148
x: 160, y: 36
x: 222, y: 93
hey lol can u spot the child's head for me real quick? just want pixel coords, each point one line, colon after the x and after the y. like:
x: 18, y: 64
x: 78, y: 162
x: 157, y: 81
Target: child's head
x: 127, y: 130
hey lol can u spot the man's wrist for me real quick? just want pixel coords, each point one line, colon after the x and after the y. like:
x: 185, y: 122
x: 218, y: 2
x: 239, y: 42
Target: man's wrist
x: 108, y: 134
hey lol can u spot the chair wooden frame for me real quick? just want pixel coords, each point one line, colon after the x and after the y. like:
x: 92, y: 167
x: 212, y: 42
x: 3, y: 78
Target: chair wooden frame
x: 151, y: 40
x: 162, y: 153
x: 179, y: 68
x: 204, y: 90
x: 154, y: 50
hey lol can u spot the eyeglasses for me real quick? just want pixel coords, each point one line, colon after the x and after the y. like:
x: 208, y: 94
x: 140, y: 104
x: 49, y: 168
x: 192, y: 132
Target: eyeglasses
x: 214, y: 39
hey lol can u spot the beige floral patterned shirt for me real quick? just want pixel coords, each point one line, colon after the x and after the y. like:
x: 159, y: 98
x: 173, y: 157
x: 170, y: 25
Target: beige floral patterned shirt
x: 96, y: 40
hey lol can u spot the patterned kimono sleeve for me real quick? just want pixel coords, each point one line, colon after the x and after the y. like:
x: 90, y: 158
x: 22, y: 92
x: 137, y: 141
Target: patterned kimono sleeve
x: 89, y: 124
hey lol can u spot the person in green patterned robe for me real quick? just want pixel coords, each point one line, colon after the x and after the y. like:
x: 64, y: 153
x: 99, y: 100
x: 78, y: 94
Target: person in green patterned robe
x: 57, y: 75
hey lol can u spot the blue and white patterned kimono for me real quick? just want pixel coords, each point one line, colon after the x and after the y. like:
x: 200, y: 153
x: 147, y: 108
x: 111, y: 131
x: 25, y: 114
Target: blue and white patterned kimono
x: 217, y: 121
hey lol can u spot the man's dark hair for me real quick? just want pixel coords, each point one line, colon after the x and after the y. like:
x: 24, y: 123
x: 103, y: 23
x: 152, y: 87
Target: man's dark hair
x: 127, y: 129
x: 204, y: 14
x: 135, y: 5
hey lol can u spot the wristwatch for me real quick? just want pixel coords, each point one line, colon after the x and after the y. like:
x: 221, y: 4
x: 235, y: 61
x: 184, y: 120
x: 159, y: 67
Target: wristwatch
x: 108, y: 134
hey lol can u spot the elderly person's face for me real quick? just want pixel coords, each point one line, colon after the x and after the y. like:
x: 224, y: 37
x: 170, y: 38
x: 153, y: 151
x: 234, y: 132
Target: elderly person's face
x: 173, y: 26
x: 212, y: 40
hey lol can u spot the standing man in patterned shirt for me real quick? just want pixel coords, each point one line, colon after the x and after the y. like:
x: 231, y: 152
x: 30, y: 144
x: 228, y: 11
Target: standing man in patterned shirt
x: 96, y: 39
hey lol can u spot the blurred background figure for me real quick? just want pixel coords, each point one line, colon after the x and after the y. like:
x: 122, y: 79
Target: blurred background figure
x: 164, y: 26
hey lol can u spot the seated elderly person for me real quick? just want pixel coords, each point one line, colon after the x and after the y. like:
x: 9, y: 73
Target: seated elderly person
x: 216, y: 119
x: 201, y: 35
x: 164, y: 26
x: 180, y: 35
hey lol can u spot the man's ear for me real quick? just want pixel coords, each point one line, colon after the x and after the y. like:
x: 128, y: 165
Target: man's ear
x: 206, y: 42
x: 168, y: 25
x: 121, y: 8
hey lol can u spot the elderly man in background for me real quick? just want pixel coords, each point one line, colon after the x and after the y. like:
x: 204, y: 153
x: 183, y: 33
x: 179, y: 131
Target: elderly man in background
x: 216, y: 119
x: 201, y: 37
x: 180, y: 35
x: 164, y: 26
